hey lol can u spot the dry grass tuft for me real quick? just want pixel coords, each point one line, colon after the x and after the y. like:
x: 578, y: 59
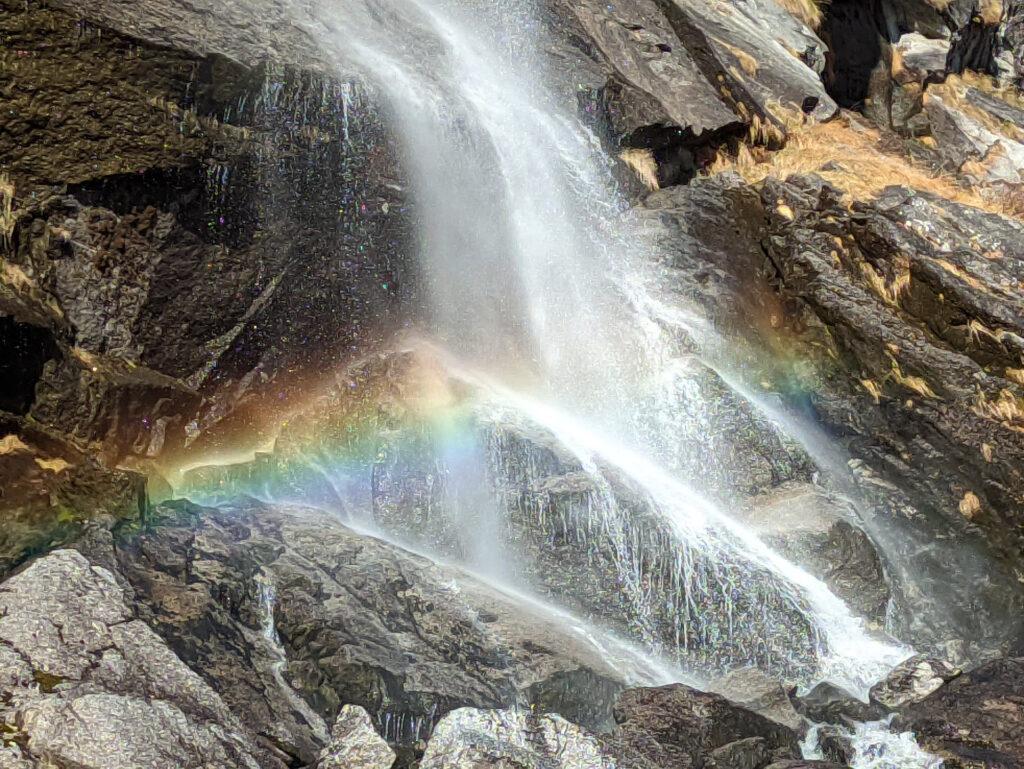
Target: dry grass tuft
x: 808, y: 11
x: 991, y: 12
x: 976, y: 329
x: 56, y: 466
x: 747, y: 62
x: 10, y: 444
x: 1007, y: 409
x: 1015, y: 375
x: 873, y: 389
x: 864, y: 170
x: 970, y: 505
x: 890, y: 293
x: 915, y: 383
x: 642, y: 163
x: 6, y: 210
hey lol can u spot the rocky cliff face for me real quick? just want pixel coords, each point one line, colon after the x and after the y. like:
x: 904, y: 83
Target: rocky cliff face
x: 203, y: 217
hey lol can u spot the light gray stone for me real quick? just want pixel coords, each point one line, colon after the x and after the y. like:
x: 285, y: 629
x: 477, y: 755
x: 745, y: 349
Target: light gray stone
x: 476, y: 739
x: 355, y: 743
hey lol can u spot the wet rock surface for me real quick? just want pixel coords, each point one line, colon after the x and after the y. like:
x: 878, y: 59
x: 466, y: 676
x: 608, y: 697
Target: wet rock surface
x: 677, y: 726
x: 359, y: 622
x: 815, y: 531
x: 899, y: 291
x: 975, y: 719
x: 911, y: 681
x: 828, y: 704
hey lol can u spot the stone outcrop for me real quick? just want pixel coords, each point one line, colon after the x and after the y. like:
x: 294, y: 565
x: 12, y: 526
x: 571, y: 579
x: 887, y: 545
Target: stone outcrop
x: 677, y: 727
x: 86, y: 684
x: 475, y: 739
x: 357, y: 622
x: 975, y: 719
x: 355, y: 743
x: 911, y: 681
x: 910, y: 296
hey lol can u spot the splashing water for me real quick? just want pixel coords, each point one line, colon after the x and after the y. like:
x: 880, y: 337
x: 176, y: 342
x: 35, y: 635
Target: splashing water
x: 530, y: 262
x: 876, y: 746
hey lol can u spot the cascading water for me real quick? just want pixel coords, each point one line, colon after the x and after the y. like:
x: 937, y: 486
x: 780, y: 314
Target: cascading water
x: 536, y: 285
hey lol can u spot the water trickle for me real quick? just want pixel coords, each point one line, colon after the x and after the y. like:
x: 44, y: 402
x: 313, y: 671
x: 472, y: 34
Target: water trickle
x: 268, y: 599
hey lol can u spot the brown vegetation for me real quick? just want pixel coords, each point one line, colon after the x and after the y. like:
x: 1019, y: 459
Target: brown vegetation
x: 849, y: 155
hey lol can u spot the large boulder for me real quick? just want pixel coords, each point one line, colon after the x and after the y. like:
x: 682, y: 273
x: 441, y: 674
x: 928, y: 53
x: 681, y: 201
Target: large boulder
x: 975, y: 719
x: 829, y: 704
x: 355, y: 743
x: 761, y: 693
x: 86, y: 684
x: 678, y: 727
x: 478, y: 739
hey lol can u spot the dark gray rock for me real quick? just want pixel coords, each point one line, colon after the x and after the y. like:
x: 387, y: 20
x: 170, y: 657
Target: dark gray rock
x: 651, y: 77
x: 749, y: 753
x: 829, y: 704
x: 677, y: 726
x: 836, y: 745
x: 975, y: 719
x: 761, y: 693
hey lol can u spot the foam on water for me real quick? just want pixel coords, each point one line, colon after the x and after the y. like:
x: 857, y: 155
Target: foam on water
x: 876, y: 746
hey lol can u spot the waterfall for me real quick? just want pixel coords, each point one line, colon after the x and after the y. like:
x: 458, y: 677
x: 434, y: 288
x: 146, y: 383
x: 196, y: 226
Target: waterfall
x: 536, y: 286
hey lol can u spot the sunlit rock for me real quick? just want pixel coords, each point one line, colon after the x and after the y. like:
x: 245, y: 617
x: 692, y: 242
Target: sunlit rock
x: 911, y: 681
x: 103, y: 690
x: 478, y: 739
x: 355, y: 743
